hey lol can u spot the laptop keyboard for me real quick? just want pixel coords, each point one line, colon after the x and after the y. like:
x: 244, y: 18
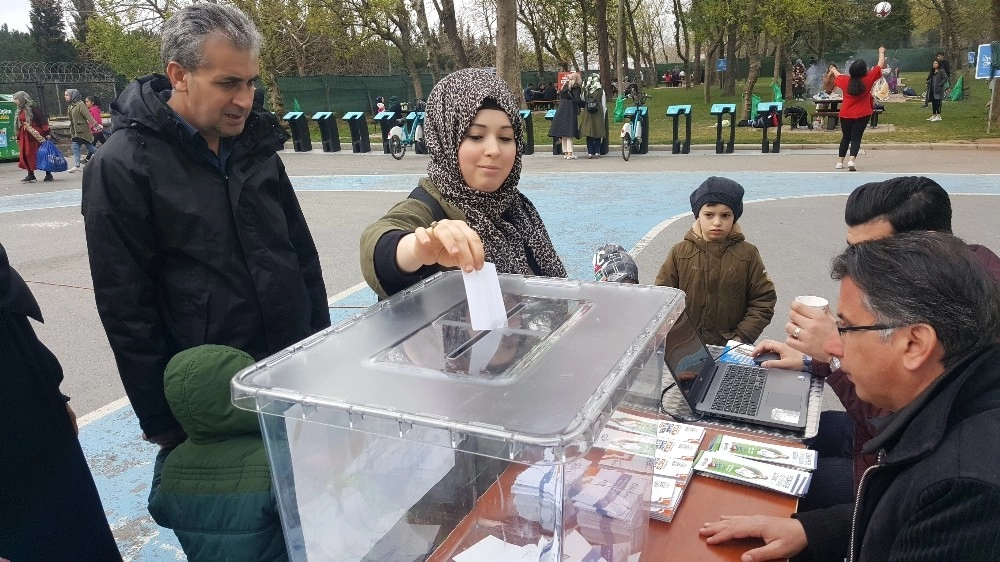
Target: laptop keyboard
x: 740, y: 390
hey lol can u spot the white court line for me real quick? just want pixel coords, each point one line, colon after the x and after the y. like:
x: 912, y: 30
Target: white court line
x: 102, y: 411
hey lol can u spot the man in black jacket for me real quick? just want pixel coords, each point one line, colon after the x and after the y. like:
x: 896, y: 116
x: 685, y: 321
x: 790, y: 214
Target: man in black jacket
x: 193, y: 230
x: 917, y: 328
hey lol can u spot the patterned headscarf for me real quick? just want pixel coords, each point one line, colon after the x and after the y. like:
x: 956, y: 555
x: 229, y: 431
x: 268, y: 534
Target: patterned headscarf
x: 505, y: 220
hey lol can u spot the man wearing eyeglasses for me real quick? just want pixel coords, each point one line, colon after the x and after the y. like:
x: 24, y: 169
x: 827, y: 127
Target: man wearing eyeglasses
x: 917, y: 332
x: 873, y: 210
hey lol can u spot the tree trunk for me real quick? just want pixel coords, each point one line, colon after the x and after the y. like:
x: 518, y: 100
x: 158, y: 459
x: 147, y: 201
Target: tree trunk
x: 752, y: 75
x: 620, y: 58
x: 405, y: 46
x: 697, y: 65
x: 446, y: 15
x: 996, y: 19
x: 508, y: 62
x: 603, y: 48
x: 433, y: 49
x: 729, y: 88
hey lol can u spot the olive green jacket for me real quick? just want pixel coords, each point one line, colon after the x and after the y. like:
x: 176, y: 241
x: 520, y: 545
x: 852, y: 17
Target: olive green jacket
x: 80, y: 121
x: 729, y: 293
x: 406, y: 215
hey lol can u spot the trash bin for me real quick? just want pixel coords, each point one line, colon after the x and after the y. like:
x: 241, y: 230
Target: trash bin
x: 720, y: 109
x: 358, y: 126
x: 328, y: 131
x: 8, y: 128
x: 676, y: 111
x: 556, y: 141
x: 406, y: 431
x: 299, y: 125
x: 386, y: 121
x: 529, y: 132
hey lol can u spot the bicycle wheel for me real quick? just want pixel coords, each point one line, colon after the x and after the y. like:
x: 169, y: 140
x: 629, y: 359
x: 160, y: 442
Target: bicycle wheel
x: 626, y: 146
x: 396, y: 147
x: 419, y: 144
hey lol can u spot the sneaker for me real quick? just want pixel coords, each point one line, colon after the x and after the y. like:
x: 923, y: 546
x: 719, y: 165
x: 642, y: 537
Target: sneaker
x: 30, y: 178
x: 931, y: 118
x: 936, y: 118
x: 851, y: 166
x: 839, y: 166
x: 74, y: 169
x: 48, y: 177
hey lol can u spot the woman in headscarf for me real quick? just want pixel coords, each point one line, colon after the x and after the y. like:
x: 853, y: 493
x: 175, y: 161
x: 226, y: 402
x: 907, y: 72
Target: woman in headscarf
x: 32, y: 129
x: 593, y: 125
x: 469, y: 209
x: 80, y: 122
x: 799, y: 80
x: 564, y: 125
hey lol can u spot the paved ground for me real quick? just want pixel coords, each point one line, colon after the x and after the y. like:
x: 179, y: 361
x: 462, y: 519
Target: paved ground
x: 794, y: 214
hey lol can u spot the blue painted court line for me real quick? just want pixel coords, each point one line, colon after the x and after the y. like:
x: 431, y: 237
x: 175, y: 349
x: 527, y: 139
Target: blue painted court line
x: 580, y: 215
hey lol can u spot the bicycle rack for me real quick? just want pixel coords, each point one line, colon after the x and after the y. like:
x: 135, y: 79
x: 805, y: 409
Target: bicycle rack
x: 676, y: 111
x: 773, y: 109
x: 328, y: 131
x: 529, y: 132
x: 556, y: 141
x: 360, y: 141
x: 299, y: 124
x: 386, y: 120
x: 720, y: 109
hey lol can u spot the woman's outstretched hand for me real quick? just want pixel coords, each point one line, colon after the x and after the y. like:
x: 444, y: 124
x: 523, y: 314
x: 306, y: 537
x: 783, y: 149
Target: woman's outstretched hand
x: 449, y: 243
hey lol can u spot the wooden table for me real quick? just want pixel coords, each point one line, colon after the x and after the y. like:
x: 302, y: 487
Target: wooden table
x: 538, y: 105
x: 705, y: 499
x: 829, y: 108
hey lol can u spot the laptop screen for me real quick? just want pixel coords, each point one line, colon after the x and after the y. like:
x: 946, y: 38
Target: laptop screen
x: 685, y: 356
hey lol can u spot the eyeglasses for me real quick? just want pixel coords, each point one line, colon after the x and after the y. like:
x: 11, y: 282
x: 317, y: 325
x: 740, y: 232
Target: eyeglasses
x: 842, y: 329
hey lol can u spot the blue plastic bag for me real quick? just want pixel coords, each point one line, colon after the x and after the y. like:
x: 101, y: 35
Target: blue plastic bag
x: 50, y: 159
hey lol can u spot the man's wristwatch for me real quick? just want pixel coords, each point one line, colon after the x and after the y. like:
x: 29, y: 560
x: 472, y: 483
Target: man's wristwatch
x: 807, y: 363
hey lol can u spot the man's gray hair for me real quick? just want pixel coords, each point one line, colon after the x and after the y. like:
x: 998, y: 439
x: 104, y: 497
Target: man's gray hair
x: 184, y: 34
x: 926, y: 278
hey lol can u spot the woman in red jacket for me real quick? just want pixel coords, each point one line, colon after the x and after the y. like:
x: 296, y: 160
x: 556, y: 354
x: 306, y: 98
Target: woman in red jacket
x: 856, y: 109
x: 32, y: 129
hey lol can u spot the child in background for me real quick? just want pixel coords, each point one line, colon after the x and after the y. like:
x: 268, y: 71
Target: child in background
x: 729, y: 294
x: 613, y: 263
x: 214, y: 489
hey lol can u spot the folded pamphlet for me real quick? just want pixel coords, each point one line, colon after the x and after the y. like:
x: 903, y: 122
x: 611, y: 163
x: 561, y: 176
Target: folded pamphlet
x: 730, y: 467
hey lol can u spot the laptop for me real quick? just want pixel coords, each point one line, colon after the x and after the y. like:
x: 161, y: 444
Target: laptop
x: 752, y: 394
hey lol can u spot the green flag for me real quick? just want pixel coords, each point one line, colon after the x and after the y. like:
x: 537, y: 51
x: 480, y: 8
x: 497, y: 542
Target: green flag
x: 295, y: 105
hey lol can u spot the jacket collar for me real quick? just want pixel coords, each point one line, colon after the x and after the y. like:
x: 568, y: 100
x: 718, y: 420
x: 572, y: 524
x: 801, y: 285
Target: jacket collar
x: 971, y: 386
x: 695, y: 235
x: 143, y: 104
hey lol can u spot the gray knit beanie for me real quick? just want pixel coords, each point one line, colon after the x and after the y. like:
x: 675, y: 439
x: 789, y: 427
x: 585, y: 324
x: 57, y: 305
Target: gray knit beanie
x: 718, y: 190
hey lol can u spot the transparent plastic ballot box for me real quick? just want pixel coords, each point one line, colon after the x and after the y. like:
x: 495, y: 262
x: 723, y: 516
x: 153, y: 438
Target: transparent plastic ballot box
x: 402, y: 434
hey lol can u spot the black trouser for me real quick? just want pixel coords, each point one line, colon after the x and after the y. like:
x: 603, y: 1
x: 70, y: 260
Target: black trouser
x: 594, y: 145
x: 852, y: 131
x: 935, y: 106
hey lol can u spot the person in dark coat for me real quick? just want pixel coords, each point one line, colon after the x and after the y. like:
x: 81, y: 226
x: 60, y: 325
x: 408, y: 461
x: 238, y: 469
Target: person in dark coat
x: 550, y: 93
x: 193, y: 229
x: 564, y: 125
x: 918, y: 319
x: 49, y: 506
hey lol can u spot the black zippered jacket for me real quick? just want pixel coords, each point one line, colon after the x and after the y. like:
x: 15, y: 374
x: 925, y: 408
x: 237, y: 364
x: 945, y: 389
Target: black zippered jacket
x: 934, y: 494
x: 182, y: 254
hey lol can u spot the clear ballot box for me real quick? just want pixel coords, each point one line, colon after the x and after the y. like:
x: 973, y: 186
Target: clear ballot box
x: 402, y: 434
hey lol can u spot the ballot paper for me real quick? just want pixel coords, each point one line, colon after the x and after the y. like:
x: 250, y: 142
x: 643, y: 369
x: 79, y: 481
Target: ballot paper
x: 482, y: 292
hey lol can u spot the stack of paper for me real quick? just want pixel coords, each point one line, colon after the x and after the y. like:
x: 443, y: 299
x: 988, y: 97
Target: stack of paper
x: 802, y: 459
x: 633, y: 442
x: 759, y: 464
x: 536, y: 494
x: 610, y: 510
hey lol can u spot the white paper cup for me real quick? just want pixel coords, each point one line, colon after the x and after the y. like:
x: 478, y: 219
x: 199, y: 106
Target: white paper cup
x: 813, y: 301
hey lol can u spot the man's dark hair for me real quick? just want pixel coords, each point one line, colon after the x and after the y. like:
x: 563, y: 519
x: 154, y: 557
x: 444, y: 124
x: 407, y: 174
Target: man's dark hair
x: 926, y: 278
x: 907, y: 202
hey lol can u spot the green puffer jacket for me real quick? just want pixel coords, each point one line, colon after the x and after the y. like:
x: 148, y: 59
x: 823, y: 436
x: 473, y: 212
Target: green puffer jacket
x: 214, y: 489
x: 728, y: 292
